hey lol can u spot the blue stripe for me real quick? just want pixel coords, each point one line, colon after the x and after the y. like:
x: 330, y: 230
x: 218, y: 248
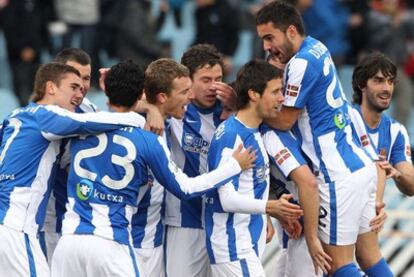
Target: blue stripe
x: 285, y: 239
x: 333, y: 214
x: 42, y: 241
x: 32, y: 265
x: 209, y: 224
x: 231, y: 239
x: 244, y: 268
x: 165, y: 249
x: 134, y: 261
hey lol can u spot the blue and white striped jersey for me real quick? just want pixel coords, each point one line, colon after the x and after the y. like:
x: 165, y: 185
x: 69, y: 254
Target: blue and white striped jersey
x: 57, y: 201
x: 324, y: 127
x: 29, y: 151
x: 190, y: 143
x: 148, y: 221
x: 106, y: 176
x: 235, y: 227
x: 391, y: 136
x: 285, y: 155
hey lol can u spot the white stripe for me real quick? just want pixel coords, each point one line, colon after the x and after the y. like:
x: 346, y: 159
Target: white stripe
x: 101, y: 221
x: 40, y: 185
x: 71, y: 219
x: 173, y: 216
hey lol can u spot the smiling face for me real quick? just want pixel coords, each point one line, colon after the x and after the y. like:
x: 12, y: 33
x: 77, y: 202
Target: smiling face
x: 377, y: 93
x: 203, y: 89
x: 276, y: 42
x: 271, y: 99
x: 69, y: 94
x: 178, y: 98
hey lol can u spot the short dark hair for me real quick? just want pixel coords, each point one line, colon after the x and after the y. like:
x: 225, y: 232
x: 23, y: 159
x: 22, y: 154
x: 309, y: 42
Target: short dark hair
x: 282, y: 15
x: 124, y: 84
x: 159, y: 77
x: 367, y: 68
x: 54, y: 72
x: 200, y: 55
x: 73, y: 54
x: 254, y: 75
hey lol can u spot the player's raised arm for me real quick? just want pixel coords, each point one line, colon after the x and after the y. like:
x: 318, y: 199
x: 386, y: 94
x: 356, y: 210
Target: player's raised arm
x: 56, y: 122
x: 184, y: 187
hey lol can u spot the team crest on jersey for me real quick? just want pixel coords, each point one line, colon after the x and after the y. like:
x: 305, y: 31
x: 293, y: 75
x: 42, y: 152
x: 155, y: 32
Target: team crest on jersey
x: 292, y: 90
x: 340, y: 120
x: 282, y: 156
x: 262, y: 173
x: 219, y: 131
x: 196, y: 144
x: 84, y: 189
x: 364, y: 140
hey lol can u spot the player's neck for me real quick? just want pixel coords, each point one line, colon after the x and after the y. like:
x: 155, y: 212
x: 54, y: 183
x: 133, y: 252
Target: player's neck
x: 162, y: 111
x: 119, y: 109
x: 249, y: 117
x: 371, y: 117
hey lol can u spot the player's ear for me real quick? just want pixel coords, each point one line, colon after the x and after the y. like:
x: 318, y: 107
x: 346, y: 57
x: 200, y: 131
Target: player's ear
x: 253, y: 95
x: 162, y: 97
x: 291, y: 32
x: 50, y: 88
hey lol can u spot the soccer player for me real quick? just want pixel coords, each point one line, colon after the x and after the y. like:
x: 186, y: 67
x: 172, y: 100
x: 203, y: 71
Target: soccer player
x: 29, y: 153
x: 104, y: 186
x: 190, y: 142
x: 373, y: 83
x: 167, y: 86
x: 291, y: 174
x: 314, y: 100
x: 235, y: 219
x: 50, y: 234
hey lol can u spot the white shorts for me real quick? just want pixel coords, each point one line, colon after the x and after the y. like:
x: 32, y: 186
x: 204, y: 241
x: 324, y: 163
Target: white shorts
x: 186, y: 252
x: 151, y: 261
x: 249, y: 266
x: 21, y: 254
x: 347, y: 207
x: 89, y: 255
x: 293, y: 253
x: 298, y: 254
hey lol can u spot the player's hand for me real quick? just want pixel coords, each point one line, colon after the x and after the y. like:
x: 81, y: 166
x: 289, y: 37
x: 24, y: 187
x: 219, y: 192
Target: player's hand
x: 154, y: 122
x: 103, y: 72
x: 225, y: 94
x: 292, y: 227
x: 319, y: 258
x: 270, y: 230
x: 245, y: 158
x: 377, y: 223
x: 389, y: 169
x: 283, y: 209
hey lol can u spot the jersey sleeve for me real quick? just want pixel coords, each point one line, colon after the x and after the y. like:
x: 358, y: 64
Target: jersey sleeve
x: 284, y: 151
x: 178, y: 183
x: 56, y: 123
x: 401, y: 149
x: 301, y: 81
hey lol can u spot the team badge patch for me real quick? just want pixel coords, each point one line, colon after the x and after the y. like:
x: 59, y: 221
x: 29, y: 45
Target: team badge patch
x: 364, y: 140
x: 282, y: 156
x: 292, y: 90
x: 408, y: 150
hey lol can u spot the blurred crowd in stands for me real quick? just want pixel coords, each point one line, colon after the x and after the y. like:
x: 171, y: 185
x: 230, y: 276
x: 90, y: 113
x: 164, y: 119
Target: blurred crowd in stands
x: 128, y: 29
